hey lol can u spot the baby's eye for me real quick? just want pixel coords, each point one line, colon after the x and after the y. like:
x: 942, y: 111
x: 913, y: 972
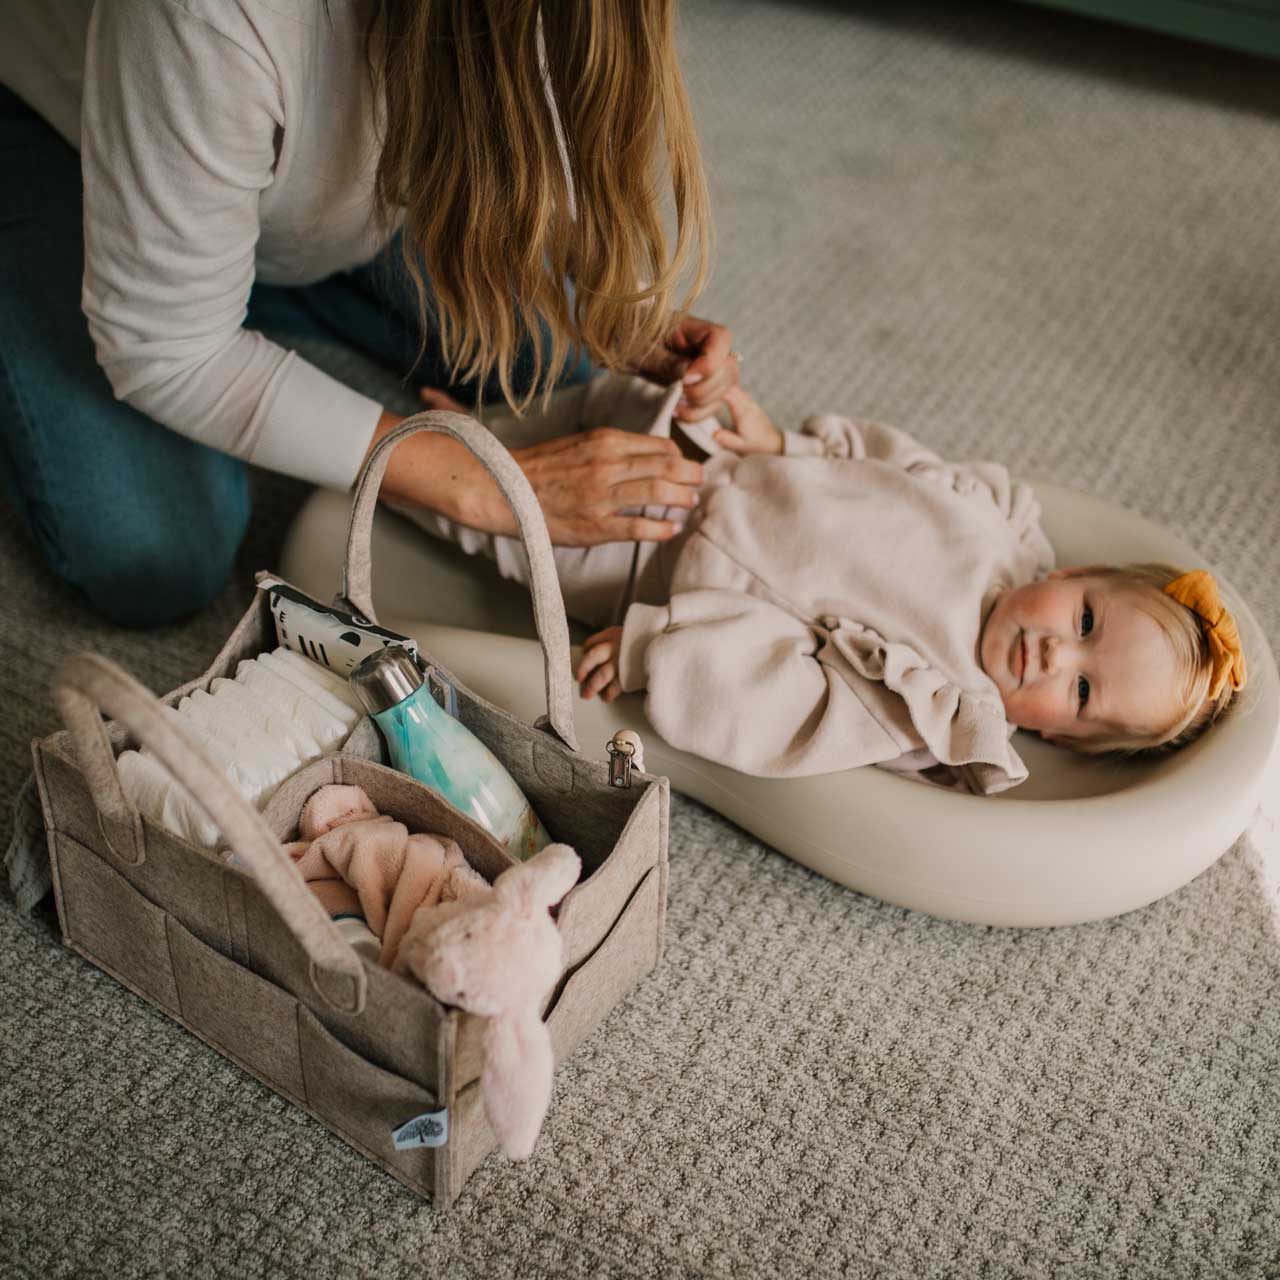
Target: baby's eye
x: 1082, y: 690
x: 1086, y: 621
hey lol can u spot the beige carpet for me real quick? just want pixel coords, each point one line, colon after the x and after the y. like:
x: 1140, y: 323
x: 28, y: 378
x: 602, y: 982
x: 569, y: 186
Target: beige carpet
x: 1018, y: 235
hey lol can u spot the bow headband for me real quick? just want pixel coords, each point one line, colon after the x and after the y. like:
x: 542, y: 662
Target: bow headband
x: 1199, y: 592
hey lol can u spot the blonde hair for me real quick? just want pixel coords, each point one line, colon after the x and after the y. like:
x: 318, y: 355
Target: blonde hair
x: 497, y: 218
x: 1185, y: 633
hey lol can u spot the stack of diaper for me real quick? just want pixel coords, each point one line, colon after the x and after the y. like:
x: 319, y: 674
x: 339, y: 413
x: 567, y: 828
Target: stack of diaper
x: 279, y: 712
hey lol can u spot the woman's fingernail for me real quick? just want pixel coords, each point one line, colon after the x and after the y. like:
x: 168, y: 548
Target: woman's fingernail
x: 691, y: 378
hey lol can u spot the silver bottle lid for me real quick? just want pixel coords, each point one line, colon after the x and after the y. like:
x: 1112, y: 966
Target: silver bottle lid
x: 386, y: 678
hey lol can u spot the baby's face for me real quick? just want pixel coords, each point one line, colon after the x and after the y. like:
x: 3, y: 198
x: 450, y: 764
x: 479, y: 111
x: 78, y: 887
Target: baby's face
x: 1077, y: 657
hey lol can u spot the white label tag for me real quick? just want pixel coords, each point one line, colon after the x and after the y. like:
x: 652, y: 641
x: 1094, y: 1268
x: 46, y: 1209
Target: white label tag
x: 430, y: 1129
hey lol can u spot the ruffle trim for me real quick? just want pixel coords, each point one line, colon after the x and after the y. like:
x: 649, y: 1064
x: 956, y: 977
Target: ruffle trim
x: 961, y: 729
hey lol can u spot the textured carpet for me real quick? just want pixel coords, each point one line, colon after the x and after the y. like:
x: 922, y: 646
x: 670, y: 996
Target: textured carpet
x: 1019, y: 235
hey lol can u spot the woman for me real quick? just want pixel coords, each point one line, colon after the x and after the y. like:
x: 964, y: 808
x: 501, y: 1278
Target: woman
x: 469, y: 190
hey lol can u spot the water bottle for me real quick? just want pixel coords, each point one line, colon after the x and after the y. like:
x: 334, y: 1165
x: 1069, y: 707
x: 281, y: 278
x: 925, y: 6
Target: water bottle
x: 427, y: 743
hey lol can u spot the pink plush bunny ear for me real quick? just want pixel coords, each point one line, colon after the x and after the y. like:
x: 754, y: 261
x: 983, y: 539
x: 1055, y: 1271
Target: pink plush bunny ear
x: 542, y: 881
x: 516, y: 1081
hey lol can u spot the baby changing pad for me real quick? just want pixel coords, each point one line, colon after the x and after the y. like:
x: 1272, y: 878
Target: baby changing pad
x: 1081, y: 840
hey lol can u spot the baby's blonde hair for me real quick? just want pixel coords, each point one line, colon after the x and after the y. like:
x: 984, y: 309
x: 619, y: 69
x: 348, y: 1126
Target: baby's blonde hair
x: 1185, y: 633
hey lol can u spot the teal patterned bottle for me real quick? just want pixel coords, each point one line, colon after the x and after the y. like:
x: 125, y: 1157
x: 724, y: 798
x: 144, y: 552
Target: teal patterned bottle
x: 429, y: 744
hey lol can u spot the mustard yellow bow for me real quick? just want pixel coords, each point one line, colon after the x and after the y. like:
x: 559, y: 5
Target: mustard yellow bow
x: 1199, y: 592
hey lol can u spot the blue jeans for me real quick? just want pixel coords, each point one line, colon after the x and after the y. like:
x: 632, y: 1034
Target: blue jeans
x: 140, y: 520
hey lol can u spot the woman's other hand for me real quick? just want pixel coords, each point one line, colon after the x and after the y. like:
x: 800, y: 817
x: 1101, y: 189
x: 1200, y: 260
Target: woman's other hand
x: 597, y: 670
x: 700, y: 354
x: 753, y: 430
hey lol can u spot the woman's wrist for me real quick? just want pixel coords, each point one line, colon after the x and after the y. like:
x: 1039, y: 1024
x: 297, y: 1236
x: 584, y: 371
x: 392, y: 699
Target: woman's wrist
x: 441, y: 474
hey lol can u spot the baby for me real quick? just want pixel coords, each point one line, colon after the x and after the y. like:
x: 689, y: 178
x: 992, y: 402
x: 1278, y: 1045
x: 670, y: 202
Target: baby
x: 841, y: 596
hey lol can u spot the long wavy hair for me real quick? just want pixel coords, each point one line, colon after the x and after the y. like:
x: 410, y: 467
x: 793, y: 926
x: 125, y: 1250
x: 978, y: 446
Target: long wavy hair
x: 516, y: 181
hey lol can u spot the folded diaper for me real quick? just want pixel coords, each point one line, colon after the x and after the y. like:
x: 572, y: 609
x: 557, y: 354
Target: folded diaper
x: 284, y: 729
x: 257, y: 755
x: 336, y: 684
x: 241, y: 774
x: 157, y: 793
x: 314, y: 673
x: 314, y: 728
x: 292, y: 667
x: 252, y: 778
x: 279, y: 712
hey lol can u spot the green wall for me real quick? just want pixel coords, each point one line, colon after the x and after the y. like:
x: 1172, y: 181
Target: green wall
x: 1250, y: 25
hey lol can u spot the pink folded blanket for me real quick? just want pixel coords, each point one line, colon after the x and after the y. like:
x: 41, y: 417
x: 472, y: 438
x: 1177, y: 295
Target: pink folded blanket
x: 360, y: 862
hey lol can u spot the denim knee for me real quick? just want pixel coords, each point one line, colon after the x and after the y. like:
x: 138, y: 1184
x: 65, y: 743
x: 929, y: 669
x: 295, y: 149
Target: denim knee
x: 152, y: 572
x: 142, y: 521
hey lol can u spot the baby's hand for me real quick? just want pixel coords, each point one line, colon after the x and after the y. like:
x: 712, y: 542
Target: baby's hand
x: 753, y: 432
x: 598, y: 667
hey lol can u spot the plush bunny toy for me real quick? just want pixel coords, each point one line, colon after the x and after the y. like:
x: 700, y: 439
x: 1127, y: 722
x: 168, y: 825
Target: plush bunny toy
x: 360, y: 862
x: 499, y: 955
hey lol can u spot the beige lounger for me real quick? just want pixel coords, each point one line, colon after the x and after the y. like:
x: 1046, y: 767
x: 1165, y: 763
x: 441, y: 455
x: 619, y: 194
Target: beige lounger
x: 1081, y: 840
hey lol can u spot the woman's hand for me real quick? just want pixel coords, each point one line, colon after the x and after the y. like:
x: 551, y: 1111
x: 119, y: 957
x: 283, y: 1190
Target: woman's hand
x: 753, y: 431
x: 583, y: 482
x: 597, y: 670
x: 698, y: 353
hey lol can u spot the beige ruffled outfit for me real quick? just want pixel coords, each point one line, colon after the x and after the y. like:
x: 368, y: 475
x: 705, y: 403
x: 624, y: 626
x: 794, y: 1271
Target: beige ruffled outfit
x: 826, y: 606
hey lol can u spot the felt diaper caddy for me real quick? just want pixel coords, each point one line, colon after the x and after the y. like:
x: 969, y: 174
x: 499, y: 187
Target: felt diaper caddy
x: 232, y: 944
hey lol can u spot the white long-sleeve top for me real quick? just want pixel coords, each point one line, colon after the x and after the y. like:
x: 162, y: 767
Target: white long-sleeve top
x: 221, y: 141
x: 826, y: 607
